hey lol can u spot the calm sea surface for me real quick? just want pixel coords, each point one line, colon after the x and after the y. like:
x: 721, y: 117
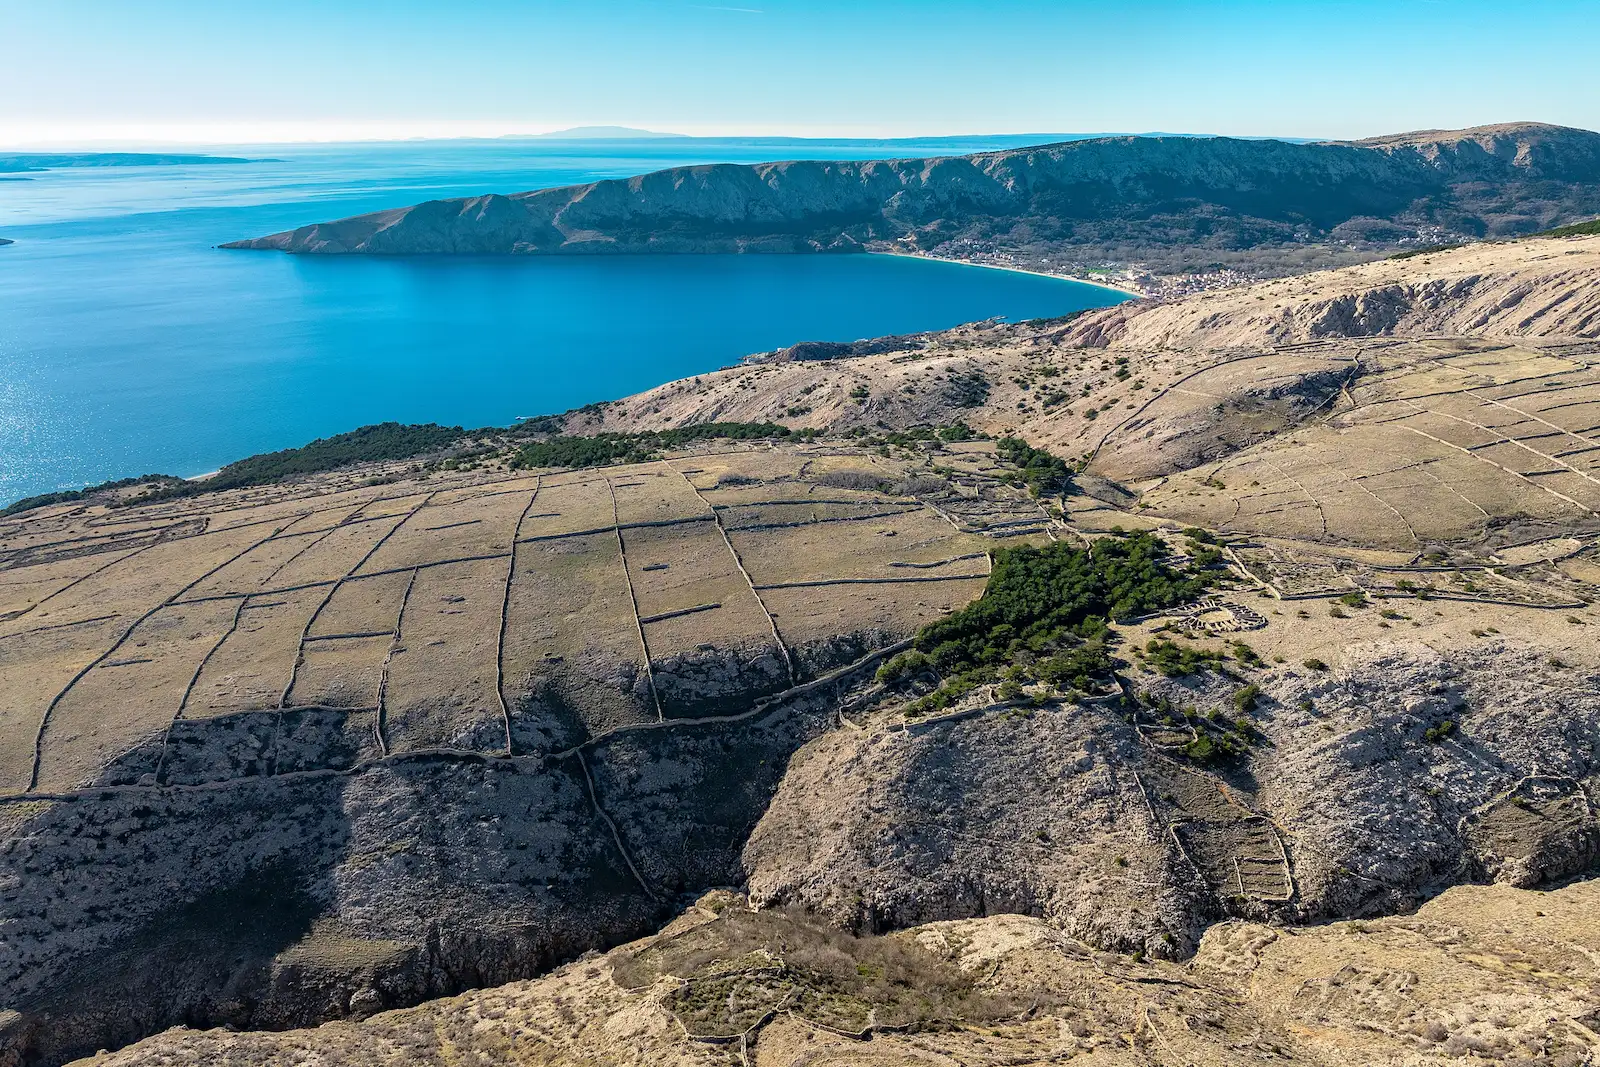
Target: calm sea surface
x: 129, y: 344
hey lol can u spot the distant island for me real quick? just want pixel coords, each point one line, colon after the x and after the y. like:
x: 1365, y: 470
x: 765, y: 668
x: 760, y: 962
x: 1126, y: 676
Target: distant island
x: 597, y: 133
x: 1172, y: 204
x: 20, y: 163
x: 3, y: 241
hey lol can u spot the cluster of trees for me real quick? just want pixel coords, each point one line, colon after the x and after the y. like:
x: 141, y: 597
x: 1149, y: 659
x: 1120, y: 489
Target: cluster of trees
x: 385, y: 441
x: 66, y: 496
x: 1577, y: 229
x: 1041, y: 472
x: 602, y: 449
x: 1043, y: 617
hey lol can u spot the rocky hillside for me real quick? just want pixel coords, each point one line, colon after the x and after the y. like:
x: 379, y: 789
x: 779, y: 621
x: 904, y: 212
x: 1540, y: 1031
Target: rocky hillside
x: 1123, y: 198
x: 1304, y: 632
x: 1534, y: 150
x: 1536, y: 288
x: 1478, y: 974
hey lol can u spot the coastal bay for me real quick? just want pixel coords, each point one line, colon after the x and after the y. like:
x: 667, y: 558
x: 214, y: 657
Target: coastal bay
x: 129, y: 344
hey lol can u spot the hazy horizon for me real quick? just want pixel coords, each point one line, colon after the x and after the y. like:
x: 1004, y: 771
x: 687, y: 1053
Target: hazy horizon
x: 199, y: 145
x: 297, y: 71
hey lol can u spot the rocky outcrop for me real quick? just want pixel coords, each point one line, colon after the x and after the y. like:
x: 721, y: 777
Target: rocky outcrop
x: 1531, y: 150
x: 1480, y: 973
x: 1091, y: 818
x: 1199, y: 191
x: 1532, y: 288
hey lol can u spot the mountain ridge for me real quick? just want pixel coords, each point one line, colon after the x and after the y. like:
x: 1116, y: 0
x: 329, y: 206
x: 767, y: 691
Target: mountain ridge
x: 1111, y: 198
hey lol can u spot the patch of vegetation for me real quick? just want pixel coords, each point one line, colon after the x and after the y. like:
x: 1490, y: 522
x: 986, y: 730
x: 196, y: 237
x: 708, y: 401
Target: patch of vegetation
x: 1216, y: 747
x: 1314, y: 664
x: 607, y: 448
x: 597, y: 451
x: 67, y: 496
x: 967, y: 390
x: 909, y: 437
x: 1577, y: 229
x: 1179, y: 661
x: 538, y: 424
x: 1041, y: 472
x: 1043, y: 617
x: 1412, y: 253
x: 745, y: 964
x: 958, y: 431
x: 383, y: 442
x: 1438, y: 732
x: 1217, y: 737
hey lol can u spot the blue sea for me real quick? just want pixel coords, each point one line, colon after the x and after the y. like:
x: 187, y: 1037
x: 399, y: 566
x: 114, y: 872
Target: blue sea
x: 129, y: 344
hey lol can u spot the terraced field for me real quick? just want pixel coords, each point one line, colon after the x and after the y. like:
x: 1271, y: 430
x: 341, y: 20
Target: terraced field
x: 1431, y: 441
x: 509, y: 615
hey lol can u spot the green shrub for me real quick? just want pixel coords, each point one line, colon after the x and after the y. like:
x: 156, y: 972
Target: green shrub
x: 67, y: 496
x: 606, y: 448
x: 1411, y: 253
x: 1042, y: 617
x: 904, y: 665
x: 1042, y: 472
x: 957, y: 431
x: 1246, y: 655
x: 1577, y: 229
x: 1043, y: 598
x: 1077, y: 667
x: 383, y: 442
x: 1179, y: 661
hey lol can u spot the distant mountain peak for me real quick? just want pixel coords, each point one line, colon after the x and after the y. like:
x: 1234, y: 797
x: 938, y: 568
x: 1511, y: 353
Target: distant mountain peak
x: 603, y: 133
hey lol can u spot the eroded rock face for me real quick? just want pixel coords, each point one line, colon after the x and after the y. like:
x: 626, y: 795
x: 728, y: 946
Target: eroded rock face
x: 1039, y: 813
x: 1544, y: 288
x: 285, y: 902
x: 289, y: 900
x: 1359, y: 799
x: 1479, y: 972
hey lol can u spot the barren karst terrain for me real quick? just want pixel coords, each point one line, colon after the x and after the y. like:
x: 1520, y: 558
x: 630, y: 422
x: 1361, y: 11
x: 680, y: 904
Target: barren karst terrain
x: 1211, y: 681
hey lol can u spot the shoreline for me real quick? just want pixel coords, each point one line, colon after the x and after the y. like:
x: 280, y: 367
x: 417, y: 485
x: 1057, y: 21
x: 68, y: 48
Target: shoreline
x: 1134, y: 294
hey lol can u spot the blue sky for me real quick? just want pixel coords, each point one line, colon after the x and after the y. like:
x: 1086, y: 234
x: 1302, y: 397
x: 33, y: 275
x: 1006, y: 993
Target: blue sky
x: 243, y: 70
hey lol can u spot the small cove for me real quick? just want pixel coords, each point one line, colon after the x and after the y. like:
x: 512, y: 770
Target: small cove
x: 129, y: 344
